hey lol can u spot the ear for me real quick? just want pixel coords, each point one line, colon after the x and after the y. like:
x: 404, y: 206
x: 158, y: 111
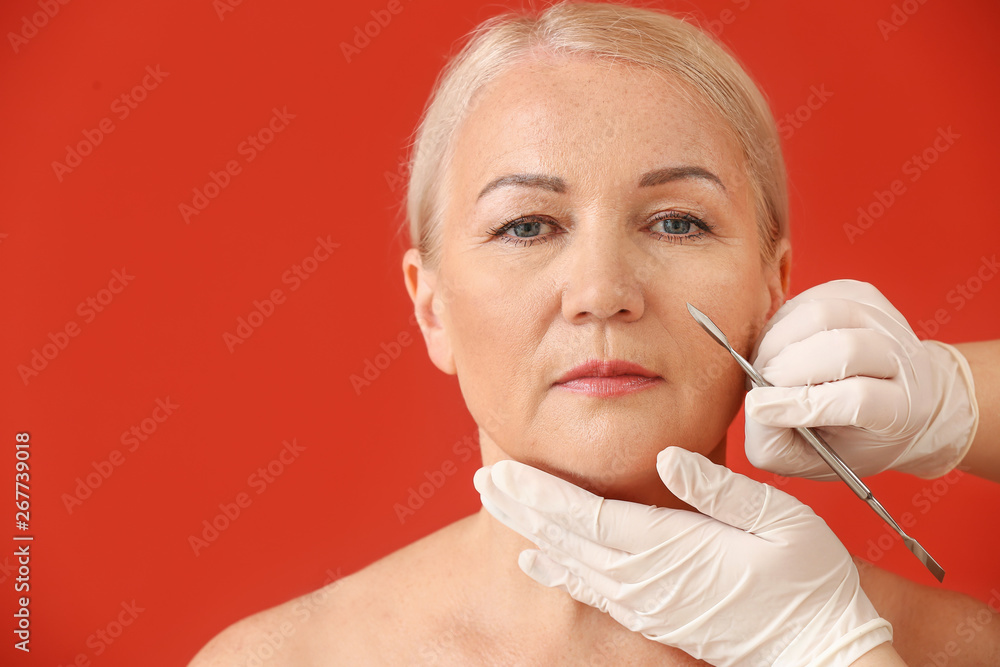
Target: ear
x: 779, y: 280
x: 428, y: 307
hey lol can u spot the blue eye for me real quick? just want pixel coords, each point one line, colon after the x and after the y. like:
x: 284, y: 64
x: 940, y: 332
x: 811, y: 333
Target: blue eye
x: 526, y: 231
x: 677, y: 227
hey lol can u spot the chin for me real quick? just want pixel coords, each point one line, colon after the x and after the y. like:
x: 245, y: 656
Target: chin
x: 620, y: 466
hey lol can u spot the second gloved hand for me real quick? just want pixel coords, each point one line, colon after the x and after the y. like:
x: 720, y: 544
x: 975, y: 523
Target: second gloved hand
x: 843, y: 359
x: 756, y: 578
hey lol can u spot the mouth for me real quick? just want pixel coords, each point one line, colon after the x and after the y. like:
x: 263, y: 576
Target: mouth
x: 608, y: 378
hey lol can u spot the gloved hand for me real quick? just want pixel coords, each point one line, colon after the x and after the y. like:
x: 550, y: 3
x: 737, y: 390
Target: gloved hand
x: 843, y: 358
x: 760, y: 580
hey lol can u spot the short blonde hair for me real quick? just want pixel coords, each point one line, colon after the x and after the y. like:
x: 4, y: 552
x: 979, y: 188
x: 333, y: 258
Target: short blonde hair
x: 613, y: 33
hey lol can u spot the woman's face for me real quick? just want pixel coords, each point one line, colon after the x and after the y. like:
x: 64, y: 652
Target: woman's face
x: 586, y: 204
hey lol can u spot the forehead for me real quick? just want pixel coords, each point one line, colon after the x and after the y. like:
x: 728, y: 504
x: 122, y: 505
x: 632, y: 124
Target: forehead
x: 589, y: 122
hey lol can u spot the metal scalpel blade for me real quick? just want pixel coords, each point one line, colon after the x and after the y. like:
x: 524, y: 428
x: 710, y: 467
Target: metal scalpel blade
x: 824, y: 450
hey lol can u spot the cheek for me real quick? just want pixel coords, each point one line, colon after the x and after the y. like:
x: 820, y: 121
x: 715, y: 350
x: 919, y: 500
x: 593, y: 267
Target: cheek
x: 504, y: 328
x: 736, y: 297
x: 495, y: 327
x: 490, y: 319
x: 730, y: 294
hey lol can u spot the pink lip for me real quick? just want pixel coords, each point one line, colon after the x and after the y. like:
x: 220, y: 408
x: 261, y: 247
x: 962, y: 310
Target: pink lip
x: 608, y: 378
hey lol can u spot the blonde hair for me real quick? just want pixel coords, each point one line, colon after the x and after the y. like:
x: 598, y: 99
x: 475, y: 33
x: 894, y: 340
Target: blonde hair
x: 613, y: 33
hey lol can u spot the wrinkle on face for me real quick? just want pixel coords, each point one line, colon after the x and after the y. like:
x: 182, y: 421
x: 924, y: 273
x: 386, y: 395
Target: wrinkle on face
x: 517, y: 318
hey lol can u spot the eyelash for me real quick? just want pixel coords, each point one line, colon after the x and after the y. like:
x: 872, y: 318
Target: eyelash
x: 501, y: 230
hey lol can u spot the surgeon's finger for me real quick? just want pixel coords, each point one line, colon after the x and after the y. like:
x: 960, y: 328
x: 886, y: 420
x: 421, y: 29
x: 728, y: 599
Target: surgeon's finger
x: 556, y: 526
x: 604, y: 542
x: 868, y: 457
x: 712, y: 489
x: 835, y: 354
x: 542, y: 491
x: 805, y: 318
x: 546, y: 529
x: 520, y: 525
x: 869, y: 403
x: 508, y: 512
x: 608, y: 522
x: 784, y: 452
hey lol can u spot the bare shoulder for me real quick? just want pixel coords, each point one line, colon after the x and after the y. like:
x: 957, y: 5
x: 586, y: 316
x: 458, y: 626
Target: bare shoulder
x: 374, y: 616
x: 259, y: 637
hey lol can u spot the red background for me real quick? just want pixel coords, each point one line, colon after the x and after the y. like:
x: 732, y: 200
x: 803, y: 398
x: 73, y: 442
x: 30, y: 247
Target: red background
x: 331, y: 510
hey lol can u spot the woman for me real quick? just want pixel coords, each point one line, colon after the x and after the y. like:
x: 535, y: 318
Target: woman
x: 577, y: 178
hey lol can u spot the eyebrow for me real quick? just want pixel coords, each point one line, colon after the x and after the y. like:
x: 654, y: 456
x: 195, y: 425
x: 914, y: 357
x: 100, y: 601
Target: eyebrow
x: 667, y: 174
x: 558, y: 185
x: 551, y: 183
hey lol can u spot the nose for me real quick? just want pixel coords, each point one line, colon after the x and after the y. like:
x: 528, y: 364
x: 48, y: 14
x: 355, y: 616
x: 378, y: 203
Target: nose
x: 603, y: 279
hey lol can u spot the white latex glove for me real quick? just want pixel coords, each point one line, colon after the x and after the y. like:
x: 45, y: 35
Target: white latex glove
x: 841, y: 357
x: 760, y: 580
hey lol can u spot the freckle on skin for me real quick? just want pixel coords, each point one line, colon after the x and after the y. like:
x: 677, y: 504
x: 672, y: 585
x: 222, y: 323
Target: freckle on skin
x: 599, y: 129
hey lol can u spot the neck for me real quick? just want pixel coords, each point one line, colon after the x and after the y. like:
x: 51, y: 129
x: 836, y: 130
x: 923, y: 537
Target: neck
x: 499, y: 546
